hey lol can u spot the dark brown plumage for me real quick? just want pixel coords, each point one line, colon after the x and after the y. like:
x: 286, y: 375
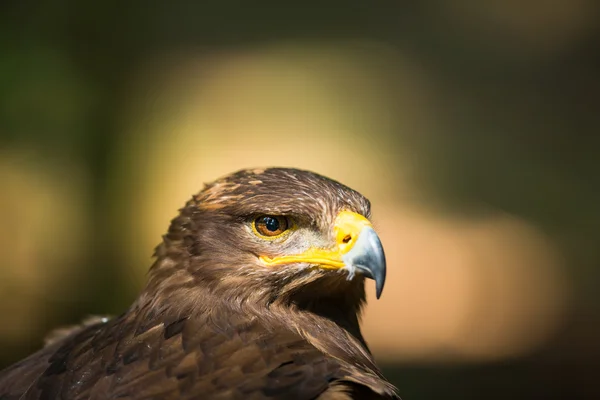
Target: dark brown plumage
x: 216, y: 321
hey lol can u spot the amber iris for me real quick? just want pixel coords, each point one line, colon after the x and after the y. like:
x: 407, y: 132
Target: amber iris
x: 271, y: 225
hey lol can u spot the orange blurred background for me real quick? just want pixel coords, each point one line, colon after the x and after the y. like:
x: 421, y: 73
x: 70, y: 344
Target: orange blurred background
x: 469, y: 127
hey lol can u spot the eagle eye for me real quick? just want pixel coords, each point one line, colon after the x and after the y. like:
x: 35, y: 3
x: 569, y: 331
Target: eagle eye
x: 270, y: 225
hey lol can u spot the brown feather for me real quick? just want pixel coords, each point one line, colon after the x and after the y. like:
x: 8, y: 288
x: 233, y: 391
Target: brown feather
x: 213, y: 323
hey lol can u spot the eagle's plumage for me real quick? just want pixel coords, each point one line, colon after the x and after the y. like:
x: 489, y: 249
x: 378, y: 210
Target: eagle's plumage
x: 215, y: 323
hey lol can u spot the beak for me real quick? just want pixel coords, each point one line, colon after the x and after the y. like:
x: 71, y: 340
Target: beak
x: 358, y: 249
x: 367, y: 256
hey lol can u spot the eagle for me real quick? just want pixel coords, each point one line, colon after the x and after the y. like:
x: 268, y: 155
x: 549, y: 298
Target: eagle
x: 255, y: 293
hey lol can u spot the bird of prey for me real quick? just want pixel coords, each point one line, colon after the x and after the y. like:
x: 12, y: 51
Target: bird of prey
x: 255, y: 293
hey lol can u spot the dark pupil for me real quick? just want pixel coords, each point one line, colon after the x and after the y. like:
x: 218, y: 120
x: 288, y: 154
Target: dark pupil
x: 271, y: 224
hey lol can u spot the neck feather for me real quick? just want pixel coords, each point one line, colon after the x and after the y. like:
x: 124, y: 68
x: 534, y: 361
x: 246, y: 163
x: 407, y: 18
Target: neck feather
x: 312, y: 298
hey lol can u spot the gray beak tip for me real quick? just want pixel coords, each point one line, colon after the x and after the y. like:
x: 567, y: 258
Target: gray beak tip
x: 379, y: 287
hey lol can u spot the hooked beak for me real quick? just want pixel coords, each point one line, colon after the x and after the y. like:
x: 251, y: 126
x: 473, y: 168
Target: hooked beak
x: 358, y: 249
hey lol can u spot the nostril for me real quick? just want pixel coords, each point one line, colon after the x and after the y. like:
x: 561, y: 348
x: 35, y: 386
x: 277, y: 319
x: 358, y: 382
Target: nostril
x: 347, y: 238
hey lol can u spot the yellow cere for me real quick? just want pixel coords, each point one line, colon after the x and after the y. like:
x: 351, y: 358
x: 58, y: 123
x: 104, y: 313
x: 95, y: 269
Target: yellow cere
x: 347, y: 227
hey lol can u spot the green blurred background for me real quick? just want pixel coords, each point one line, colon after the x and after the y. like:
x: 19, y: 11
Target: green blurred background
x: 472, y: 126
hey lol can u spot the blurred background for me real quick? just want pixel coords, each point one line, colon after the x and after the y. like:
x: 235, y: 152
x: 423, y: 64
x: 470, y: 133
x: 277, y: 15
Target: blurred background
x: 472, y: 127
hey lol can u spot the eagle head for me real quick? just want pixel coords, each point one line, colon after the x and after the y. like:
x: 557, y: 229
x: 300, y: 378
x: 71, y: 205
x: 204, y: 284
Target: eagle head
x: 269, y: 235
